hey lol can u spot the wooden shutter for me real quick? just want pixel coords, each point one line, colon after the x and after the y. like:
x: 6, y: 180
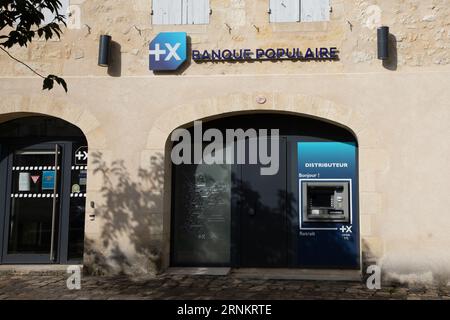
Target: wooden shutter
x: 284, y: 10
x: 196, y: 12
x: 167, y: 11
x: 315, y: 10
x: 49, y: 16
x: 64, y: 10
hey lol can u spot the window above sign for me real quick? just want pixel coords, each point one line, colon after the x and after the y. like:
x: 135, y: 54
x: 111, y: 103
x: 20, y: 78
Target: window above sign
x: 180, y: 11
x: 299, y: 10
x: 63, y: 10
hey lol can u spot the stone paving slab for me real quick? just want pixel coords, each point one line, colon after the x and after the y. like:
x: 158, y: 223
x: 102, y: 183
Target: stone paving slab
x: 33, y: 286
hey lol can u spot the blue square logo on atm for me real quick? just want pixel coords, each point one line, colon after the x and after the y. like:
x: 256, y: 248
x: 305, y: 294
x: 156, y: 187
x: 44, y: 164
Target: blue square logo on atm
x: 168, y: 51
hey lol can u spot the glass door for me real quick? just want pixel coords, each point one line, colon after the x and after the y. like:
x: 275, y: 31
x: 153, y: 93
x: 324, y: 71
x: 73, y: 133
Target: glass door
x: 202, y: 220
x: 263, y: 206
x: 33, y: 209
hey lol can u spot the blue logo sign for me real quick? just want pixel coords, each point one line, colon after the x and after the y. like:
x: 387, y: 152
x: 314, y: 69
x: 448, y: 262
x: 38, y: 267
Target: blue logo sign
x: 168, y: 51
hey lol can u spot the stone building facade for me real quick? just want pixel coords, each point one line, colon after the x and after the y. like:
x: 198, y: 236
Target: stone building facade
x: 397, y: 110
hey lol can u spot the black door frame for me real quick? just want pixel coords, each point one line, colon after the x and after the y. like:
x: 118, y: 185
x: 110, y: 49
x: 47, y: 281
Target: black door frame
x: 3, y: 175
x: 64, y: 203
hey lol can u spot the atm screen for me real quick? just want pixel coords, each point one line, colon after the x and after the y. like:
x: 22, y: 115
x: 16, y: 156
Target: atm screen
x: 325, y: 201
x: 321, y: 197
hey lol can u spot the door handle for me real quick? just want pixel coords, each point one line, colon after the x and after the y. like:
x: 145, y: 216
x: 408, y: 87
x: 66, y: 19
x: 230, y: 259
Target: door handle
x: 55, y: 188
x: 252, y: 210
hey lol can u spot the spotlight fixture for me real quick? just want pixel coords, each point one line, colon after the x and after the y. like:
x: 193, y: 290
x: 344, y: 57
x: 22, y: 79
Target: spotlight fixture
x: 103, y: 50
x: 383, y: 42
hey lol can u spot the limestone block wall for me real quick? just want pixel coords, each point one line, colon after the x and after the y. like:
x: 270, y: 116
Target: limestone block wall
x: 398, y: 111
x: 420, y: 37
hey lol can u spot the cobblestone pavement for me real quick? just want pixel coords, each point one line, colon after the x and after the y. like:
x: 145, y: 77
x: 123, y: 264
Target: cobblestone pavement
x: 28, y: 286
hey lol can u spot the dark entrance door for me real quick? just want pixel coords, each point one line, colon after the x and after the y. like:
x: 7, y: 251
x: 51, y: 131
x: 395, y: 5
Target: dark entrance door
x: 264, y: 232
x: 33, y: 205
x: 43, y: 175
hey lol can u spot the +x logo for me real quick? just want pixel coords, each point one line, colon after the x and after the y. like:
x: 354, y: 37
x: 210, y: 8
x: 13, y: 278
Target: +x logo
x: 346, y: 229
x: 168, y: 51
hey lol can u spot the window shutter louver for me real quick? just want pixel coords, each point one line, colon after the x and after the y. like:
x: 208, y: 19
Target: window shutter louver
x: 167, y: 11
x: 284, y: 10
x: 315, y: 10
x: 49, y: 16
x: 197, y: 12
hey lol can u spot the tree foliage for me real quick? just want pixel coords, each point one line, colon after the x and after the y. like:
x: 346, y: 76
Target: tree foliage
x: 22, y: 20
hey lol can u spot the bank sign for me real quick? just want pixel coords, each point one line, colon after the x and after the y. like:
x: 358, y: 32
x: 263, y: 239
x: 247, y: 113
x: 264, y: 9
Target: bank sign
x: 168, y: 51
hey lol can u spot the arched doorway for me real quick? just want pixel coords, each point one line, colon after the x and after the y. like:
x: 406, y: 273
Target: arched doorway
x: 43, y: 174
x: 305, y: 215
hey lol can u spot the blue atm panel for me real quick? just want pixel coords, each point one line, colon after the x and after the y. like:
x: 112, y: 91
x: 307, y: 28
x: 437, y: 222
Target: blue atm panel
x: 328, y: 205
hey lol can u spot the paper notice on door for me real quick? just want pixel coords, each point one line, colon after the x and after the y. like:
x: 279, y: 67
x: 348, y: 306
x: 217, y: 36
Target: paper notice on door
x: 48, y: 180
x: 83, y: 177
x: 24, y: 181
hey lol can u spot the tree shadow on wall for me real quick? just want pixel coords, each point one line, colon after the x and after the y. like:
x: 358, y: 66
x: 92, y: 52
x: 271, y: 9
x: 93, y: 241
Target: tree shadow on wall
x: 130, y: 212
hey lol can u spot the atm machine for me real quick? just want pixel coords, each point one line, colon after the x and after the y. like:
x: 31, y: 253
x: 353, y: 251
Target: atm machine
x: 325, y: 201
x: 328, y: 205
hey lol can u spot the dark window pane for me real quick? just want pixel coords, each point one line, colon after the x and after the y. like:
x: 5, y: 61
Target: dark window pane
x: 32, y: 200
x: 202, y: 214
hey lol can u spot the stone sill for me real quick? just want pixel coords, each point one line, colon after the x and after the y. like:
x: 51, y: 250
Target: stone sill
x: 272, y: 273
x: 299, y: 274
x: 35, y: 269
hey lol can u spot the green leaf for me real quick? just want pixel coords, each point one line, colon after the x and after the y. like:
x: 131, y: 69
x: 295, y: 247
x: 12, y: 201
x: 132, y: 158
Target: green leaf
x: 61, y: 82
x: 25, y: 19
x: 48, y: 83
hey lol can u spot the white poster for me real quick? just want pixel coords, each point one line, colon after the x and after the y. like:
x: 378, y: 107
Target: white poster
x: 24, y: 181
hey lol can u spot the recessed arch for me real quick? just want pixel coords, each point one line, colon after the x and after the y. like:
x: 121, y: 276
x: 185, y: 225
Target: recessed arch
x: 43, y: 173
x: 34, y: 125
x: 248, y: 114
x: 340, y: 115
x: 213, y: 206
x: 13, y: 106
x: 278, y: 102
